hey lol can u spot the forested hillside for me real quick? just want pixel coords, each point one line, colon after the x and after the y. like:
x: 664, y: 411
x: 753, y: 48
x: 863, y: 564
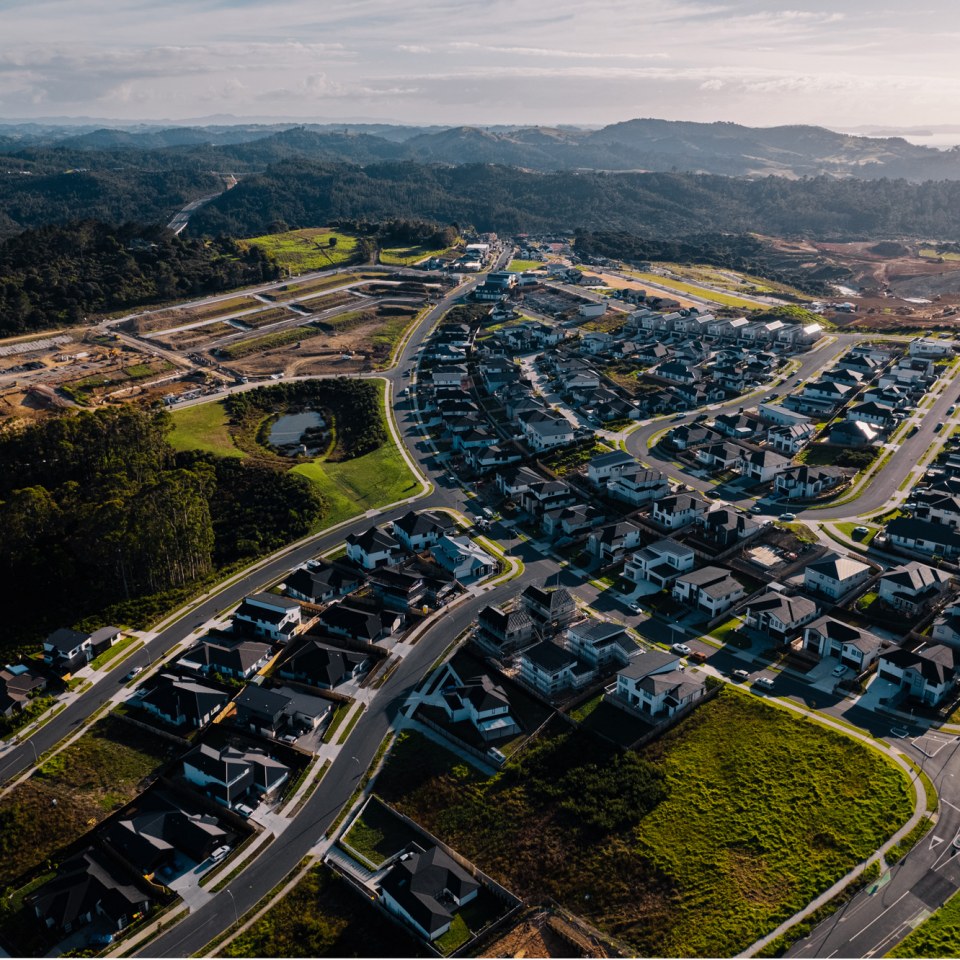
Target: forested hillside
x: 97, y: 510
x: 508, y: 200
x: 59, y: 275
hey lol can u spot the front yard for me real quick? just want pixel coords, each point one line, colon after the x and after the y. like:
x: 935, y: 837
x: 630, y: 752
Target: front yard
x: 706, y: 840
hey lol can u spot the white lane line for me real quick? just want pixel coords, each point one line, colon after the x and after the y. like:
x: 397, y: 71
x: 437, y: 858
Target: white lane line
x: 881, y: 915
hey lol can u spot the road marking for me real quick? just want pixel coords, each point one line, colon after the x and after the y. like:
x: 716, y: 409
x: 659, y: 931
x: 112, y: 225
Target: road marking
x: 880, y: 916
x: 949, y: 804
x: 934, y: 840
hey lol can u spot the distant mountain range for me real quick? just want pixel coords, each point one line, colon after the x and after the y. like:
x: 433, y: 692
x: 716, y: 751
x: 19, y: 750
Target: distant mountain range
x: 728, y: 149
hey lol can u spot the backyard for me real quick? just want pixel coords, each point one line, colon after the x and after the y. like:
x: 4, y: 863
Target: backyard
x: 706, y: 840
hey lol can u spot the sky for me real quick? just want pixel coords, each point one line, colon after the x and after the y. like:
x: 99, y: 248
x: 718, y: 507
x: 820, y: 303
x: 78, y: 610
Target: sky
x: 843, y: 64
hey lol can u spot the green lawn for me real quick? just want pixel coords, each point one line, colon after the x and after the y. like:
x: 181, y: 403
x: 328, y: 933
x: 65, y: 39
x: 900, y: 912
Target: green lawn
x: 724, y: 631
x: 122, y: 644
x: 518, y: 266
x: 303, y: 250
x: 929, y: 252
x: 406, y: 256
x: 864, y: 540
x: 747, y: 815
x: 203, y: 427
x: 938, y: 936
x: 364, y: 483
x: 726, y: 299
x: 377, y: 834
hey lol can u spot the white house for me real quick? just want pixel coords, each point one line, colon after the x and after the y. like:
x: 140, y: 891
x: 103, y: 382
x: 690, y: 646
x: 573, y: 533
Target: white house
x: 678, y: 510
x: 834, y: 576
x: 373, y: 548
x: 927, y: 347
x: 762, y: 466
x: 638, y: 486
x: 806, y: 483
x: 466, y: 560
x: 911, y: 586
x: 479, y: 702
x: 543, y: 431
x: 418, y: 531
x: 711, y: 589
x: 659, y: 563
x: 654, y: 685
x: 927, y: 674
x: 551, y: 670
x: 599, y: 643
x: 854, y: 646
x: 607, y: 465
x: 611, y: 542
x: 269, y: 615
x: 780, y: 616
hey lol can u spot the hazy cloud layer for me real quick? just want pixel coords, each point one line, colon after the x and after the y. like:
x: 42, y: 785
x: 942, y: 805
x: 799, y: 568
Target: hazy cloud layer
x: 483, y: 61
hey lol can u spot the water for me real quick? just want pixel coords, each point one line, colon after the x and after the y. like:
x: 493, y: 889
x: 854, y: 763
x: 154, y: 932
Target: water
x: 289, y: 428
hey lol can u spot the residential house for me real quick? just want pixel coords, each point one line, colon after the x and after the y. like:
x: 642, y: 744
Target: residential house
x: 455, y: 375
x: 807, y: 483
x: 513, y: 481
x: 835, y: 576
x: 780, y: 616
x: 400, y: 590
x: 90, y: 885
x: 719, y: 456
x: 551, y: 670
x: 656, y: 686
x: 911, y: 586
x: 877, y: 414
x: 503, y: 631
x: 639, y: 486
x: 612, y: 541
x: 319, y: 582
x: 426, y: 888
x: 599, y: 643
x: 273, y: 711
x: 724, y: 526
x: 481, y: 703
x: 324, y: 666
x: 737, y: 426
x: 827, y: 391
x: 946, y: 627
x: 181, y: 702
x: 937, y: 507
x: 659, y: 563
x: 570, y: 521
x: 373, y: 548
x: 789, y: 440
x: 344, y: 619
x: 66, y: 650
x: 927, y: 674
x: 711, y: 589
x: 547, y: 495
x: 762, y: 466
x: 923, y: 536
x: 678, y: 510
x: 605, y: 466
x: 466, y: 560
x: 854, y: 646
x: 269, y: 615
x: 18, y: 683
x: 927, y: 347
x: 227, y: 658
x: 854, y: 433
x: 231, y: 775
x: 544, y: 431
x: 548, y: 607
x: 692, y: 435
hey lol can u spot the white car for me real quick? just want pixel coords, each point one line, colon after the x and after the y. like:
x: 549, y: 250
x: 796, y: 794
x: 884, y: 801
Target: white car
x: 787, y: 517
x: 764, y: 682
x: 681, y: 648
x: 636, y: 608
x: 135, y: 672
x: 839, y: 671
x: 219, y: 853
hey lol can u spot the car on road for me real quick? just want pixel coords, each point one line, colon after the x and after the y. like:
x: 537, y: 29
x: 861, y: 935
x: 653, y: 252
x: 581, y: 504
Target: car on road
x: 839, y: 671
x: 681, y: 648
x: 952, y: 408
x: 636, y: 608
x: 787, y: 517
x: 756, y: 508
x: 740, y: 675
x: 698, y: 656
x: 764, y: 682
x: 680, y: 416
x: 938, y: 427
x: 135, y: 672
x: 700, y: 417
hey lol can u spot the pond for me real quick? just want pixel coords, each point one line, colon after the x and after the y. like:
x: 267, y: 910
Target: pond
x: 288, y: 432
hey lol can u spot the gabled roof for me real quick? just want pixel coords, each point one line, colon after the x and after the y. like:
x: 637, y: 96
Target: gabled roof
x: 373, y: 540
x: 549, y: 657
x: 915, y: 576
x: 786, y: 609
x: 838, y: 568
x: 423, y: 523
x: 323, y: 662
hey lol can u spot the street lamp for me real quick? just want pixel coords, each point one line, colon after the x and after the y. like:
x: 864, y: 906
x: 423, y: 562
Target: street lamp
x: 236, y: 913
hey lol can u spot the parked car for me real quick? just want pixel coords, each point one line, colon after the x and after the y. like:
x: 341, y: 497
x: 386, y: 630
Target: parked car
x: 740, y: 675
x: 787, y: 517
x: 861, y: 530
x: 764, y: 682
x: 839, y: 671
x: 681, y: 648
x: 698, y: 656
x: 636, y: 608
x: 135, y: 672
x: 220, y: 853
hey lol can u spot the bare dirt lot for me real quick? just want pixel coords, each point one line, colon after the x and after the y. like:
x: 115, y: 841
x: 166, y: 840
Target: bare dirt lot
x: 544, y: 935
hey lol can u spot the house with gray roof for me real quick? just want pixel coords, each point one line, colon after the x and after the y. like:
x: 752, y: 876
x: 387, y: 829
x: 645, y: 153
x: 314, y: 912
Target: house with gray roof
x: 853, y: 646
x: 778, y: 615
x: 912, y: 586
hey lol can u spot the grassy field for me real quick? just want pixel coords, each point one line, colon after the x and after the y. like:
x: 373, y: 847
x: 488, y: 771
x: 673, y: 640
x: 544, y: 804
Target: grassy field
x: 103, y: 770
x: 406, y: 256
x: 302, y: 250
x: 930, y: 253
x: 354, y: 486
x: 323, y: 917
x: 377, y: 834
x: 518, y: 266
x: 203, y: 427
x: 271, y: 341
x: 847, y: 530
x: 725, y: 299
x: 732, y: 280
x: 759, y: 812
x: 938, y: 936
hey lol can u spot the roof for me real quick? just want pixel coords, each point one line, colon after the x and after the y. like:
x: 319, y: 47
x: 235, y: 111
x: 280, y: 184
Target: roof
x: 915, y: 576
x: 240, y: 657
x: 373, y: 540
x: 259, y: 700
x: 425, y: 522
x: 838, y: 568
x: 417, y: 884
x: 612, y: 459
x: 174, y: 697
x: 549, y: 657
x: 322, y: 662
x: 910, y: 529
x: 64, y: 639
x: 786, y: 609
x: 936, y: 663
x: 650, y: 661
x: 273, y: 600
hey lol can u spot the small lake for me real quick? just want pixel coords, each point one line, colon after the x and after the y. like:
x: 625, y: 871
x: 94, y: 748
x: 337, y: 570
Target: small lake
x: 290, y: 428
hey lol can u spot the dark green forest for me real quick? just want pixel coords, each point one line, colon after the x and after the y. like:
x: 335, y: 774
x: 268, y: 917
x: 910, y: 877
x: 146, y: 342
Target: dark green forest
x: 102, y: 520
x: 57, y: 276
x: 509, y: 200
